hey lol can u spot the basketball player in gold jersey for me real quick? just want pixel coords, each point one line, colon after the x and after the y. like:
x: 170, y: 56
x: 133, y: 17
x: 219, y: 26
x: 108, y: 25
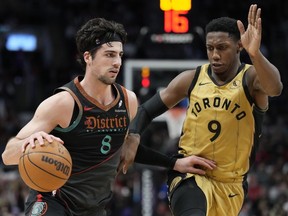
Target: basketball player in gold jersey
x: 227, y: 101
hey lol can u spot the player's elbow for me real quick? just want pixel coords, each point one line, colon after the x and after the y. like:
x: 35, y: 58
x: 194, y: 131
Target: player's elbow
x: 5, y: 158
x: 279, y: 89
x: 276, y: 90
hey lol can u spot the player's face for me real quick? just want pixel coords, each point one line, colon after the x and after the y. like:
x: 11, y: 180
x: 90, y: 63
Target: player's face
x: 107, y: 62
x: 221, y: 51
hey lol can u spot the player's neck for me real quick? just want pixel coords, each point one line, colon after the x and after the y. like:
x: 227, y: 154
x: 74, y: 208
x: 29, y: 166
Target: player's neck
x: 222, y: 78
x: 99, y: 91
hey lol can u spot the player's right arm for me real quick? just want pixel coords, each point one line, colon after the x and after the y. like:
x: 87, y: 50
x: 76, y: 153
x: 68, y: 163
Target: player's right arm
x: 177, y: 89
x: 167, y: 98
x: 53, y: 111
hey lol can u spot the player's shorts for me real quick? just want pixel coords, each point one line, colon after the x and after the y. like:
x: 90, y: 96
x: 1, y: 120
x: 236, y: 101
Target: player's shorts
x: 198, y: 195
x: 49, y: 204
x: 44, y: 204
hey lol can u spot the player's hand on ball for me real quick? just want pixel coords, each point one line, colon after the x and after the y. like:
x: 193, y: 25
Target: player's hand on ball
x: 39, y: 136
x: 194, y: 164
x: 45, y: 167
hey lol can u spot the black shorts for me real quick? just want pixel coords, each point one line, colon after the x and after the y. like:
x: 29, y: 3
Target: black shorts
x: 45, y: 204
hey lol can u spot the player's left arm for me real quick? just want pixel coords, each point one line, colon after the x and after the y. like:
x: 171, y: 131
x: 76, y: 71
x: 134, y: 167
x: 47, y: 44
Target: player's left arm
x: 131, y: 142
x: 132, y: 103
x: 265, y: 76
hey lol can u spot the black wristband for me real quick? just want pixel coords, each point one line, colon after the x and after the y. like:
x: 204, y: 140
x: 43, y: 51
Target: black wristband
x: 140, y: 122
x: 146, y: 113
x: 149, y: 156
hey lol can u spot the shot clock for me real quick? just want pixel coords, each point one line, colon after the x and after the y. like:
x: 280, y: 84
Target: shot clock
x: 174, y: 15
x: 175, y: 23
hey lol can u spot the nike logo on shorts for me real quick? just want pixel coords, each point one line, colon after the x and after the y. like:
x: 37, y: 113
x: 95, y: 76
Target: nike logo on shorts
x: 232, y: 195
x: 203, y: 83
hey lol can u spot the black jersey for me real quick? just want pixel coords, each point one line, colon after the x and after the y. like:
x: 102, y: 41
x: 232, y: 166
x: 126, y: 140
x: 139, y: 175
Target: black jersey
x: 94, y: 139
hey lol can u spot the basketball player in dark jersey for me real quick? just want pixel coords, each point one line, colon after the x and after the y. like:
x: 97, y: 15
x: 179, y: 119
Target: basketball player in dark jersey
x: 227, y: 101
x: 90, y: 115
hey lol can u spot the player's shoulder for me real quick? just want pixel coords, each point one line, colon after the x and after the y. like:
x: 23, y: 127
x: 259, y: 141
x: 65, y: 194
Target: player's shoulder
x: 189, y: 71
x: 56, y: 110
x: 132, y: 102
x: 62, y: 97
x: 187, y: 75
x: 131, y: 94
x: 250, y: 72
x: 180, y: 84
x: 128, y: 92
x: 60, y: 100
x: 248, y: 67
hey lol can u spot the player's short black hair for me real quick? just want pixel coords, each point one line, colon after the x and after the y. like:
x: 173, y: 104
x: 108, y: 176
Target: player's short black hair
x: 224, y: 24
x: 96, y: 32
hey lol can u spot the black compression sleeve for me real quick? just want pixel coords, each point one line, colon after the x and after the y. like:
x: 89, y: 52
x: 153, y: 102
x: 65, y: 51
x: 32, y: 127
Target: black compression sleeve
x: 151, y: 157
x: 146, y: 113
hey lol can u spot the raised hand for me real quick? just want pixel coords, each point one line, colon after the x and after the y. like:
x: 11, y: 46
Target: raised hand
x: 251, y: 38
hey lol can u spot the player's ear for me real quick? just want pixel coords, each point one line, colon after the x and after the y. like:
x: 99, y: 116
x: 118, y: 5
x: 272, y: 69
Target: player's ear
x: 239, y: 46
x: 87, y: 57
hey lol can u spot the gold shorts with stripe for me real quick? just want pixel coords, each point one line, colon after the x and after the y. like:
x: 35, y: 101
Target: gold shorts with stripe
x: 222, y: 198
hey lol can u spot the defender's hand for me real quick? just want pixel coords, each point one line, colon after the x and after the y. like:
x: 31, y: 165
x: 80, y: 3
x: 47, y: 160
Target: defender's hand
x: 194, y: 164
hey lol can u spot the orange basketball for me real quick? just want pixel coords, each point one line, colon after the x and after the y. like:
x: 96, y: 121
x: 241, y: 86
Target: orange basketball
x: 45, y: 168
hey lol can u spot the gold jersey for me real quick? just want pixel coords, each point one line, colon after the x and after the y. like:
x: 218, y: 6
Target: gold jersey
x: 220, y: 124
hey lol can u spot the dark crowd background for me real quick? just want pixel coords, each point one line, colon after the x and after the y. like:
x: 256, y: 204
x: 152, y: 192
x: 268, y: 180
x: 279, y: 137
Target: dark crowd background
x: 26, y: 78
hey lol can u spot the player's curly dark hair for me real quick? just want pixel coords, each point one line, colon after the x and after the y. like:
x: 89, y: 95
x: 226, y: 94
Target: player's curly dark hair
x: 224, y: 24
x: 95, y: 30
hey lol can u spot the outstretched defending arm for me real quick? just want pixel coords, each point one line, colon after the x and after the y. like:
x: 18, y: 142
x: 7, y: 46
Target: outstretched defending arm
x: 148, y: 111
x: 167, y: 98
x: 145, y: 114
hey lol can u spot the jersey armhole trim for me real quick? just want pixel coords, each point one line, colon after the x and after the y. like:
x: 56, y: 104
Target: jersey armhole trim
x: 126, y: 99
x: 248, y: 95
x: 197, y: 72
x: 77, y: 120
x: 246, y: 89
